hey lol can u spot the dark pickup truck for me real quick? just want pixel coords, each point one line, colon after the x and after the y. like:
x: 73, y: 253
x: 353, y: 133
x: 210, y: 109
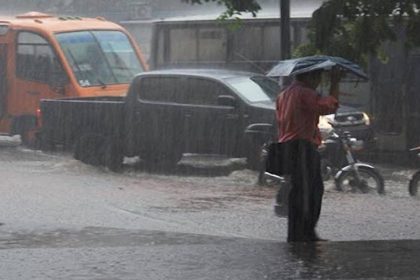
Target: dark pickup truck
x: 165, y: 114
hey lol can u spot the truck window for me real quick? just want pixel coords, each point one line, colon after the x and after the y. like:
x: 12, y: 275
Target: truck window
x: 201, y: 92
x: 100, y: 57
x: 36, y: 60
x: 182, y: 90
x: 159, y: 89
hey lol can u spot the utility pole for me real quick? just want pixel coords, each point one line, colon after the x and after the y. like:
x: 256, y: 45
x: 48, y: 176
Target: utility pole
x: 284, y: 36
x: 284, y: 29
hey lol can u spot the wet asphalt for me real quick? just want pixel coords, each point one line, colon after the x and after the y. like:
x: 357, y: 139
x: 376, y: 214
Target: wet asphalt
x: 106, y: 253
x: 65, y: 220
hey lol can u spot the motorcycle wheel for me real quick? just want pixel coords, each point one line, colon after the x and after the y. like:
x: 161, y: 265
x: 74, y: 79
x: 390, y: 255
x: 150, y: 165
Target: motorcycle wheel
x: 414, y: 184
x: 371, y: 180
x: 326, y: 170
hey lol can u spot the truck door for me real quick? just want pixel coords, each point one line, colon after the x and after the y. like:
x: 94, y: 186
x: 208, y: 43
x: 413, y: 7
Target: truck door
x: 209, y: 126
x: 181, y: 113
x: 155, y: 123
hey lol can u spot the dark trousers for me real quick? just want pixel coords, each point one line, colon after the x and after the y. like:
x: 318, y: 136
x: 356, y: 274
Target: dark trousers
x: 306, y: 192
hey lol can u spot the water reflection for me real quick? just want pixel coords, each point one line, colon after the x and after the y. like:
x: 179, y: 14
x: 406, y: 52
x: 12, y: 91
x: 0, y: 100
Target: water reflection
x: 310, y: 258
x: 390, y: 259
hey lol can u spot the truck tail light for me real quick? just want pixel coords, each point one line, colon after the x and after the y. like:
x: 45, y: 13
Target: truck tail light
x: 38, y: 115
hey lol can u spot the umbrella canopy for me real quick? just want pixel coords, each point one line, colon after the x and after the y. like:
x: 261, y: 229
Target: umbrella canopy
x: 291, y: 67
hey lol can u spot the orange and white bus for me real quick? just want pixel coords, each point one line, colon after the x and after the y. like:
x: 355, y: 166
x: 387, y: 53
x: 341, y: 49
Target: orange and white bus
x: 44, y: 56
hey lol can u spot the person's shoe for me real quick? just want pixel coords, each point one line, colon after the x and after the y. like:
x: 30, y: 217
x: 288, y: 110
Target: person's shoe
x: 316, y: 238
x: 305, y: 240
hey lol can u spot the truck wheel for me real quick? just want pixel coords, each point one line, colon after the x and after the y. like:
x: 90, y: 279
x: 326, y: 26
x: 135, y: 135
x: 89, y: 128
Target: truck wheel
x: 43, y: 142
x: 161, y: 159
x: 112, y: 154
x: 88, y: 149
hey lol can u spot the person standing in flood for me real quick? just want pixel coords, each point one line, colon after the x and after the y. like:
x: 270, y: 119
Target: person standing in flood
x: 298, y: 108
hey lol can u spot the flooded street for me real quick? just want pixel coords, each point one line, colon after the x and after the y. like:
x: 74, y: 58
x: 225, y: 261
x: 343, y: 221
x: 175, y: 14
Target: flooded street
x: 110, y: 79
x: 53, y: 191
x: 67, y: 220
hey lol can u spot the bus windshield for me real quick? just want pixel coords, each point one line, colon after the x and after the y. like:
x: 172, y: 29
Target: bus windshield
x: 100, y: 58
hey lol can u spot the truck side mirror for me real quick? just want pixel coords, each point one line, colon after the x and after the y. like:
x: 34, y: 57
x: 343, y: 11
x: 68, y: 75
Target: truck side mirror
x: 226, y: 100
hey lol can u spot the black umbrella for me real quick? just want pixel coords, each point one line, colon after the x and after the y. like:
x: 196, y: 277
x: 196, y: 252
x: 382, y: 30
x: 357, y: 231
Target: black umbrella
x: 291, y: 67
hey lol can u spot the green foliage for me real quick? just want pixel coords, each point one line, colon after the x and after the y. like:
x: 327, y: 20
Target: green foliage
x: 233, y: 7
x: 356, y: 28
x: 305, y: 50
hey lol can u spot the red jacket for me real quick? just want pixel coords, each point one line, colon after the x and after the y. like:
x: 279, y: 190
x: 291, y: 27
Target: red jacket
x: 298, y: 109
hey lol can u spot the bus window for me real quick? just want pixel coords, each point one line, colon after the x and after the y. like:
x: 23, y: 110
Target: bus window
x: 36, y: 60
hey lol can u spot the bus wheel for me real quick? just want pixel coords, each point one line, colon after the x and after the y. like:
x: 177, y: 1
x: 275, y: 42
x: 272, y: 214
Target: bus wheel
x: 25, y: 126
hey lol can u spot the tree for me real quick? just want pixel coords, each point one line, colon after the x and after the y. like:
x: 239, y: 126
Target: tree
x: 233, y: 7
x: 356, y: 29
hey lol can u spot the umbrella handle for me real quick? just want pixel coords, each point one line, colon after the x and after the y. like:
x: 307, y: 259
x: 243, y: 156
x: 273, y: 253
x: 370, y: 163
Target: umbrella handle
x: 336, y: 74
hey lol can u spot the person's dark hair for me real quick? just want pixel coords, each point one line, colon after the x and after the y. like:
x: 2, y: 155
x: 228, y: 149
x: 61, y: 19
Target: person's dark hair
x: 308, y: 75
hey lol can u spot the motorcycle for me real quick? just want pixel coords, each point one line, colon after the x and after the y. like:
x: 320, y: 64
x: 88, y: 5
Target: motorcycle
x: 415, y: 178
x: 338, y: 160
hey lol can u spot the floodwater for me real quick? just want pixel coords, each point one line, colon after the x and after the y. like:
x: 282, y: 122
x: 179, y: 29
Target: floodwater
x: 210, y: 195
x: 207, y: 219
